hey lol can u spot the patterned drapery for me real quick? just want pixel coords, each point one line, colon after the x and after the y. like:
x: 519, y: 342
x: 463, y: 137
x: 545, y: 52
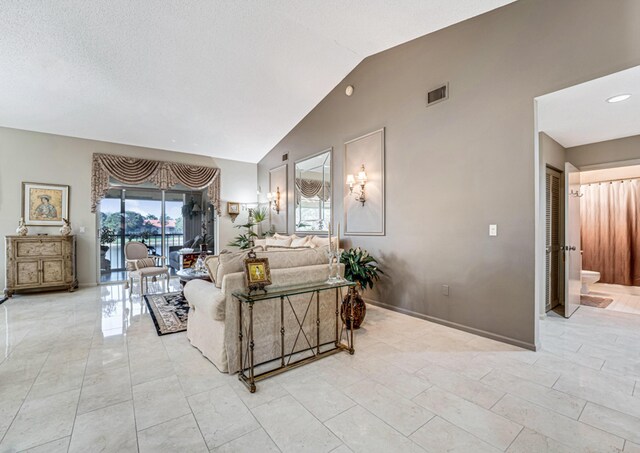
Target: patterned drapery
x: 131, y: 170
x: 610, y: 230
x: 310, y: 188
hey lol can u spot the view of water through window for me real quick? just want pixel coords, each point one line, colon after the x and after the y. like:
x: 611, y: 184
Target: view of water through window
x: 137, y: 215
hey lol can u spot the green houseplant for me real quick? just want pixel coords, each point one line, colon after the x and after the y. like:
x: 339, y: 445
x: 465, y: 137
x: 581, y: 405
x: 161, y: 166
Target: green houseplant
x: 361, y: 268
x: 107, y: 237
x: 259, y: 215
x: 244, y: 241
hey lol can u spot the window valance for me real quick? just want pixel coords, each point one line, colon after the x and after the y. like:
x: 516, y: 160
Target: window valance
x: 130, y: 170
x: 310, y: 188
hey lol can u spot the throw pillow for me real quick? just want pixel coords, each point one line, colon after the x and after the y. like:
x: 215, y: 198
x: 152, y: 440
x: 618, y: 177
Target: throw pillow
x: 284, y: 236
x: 320, y: 242
x: 212, y: 263
x: 300, y: 242
x: 145, y: 262
x: 260, y: 242
x: 279, y: 242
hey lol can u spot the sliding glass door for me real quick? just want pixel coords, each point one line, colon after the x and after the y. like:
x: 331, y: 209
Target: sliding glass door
x: 155, y: 217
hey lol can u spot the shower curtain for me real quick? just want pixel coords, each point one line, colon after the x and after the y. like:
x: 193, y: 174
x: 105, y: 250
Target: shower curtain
x: 609, y: 229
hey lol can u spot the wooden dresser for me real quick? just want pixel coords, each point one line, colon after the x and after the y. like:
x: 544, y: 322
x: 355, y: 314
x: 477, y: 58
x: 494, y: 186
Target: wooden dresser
x: 40, y: 263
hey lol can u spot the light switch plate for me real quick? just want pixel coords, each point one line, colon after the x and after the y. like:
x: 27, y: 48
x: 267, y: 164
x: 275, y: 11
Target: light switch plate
x: 445, y: 290
x: 493, y: 230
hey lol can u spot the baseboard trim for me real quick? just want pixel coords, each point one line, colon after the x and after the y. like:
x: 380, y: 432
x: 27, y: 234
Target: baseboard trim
x: 3, y: 299
x: 444, y: 322
x: 87, y: 285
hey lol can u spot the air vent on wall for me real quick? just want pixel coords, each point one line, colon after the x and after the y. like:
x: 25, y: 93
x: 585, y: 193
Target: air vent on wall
x: 285, y: 157
x: 438, y: 94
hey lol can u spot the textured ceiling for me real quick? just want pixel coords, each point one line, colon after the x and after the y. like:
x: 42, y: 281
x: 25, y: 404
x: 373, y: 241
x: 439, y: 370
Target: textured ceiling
x: 580, y: 114
x: 221, y: 78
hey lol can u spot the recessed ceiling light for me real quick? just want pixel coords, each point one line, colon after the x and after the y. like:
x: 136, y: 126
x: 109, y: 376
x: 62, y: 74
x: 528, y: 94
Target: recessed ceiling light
x: 618, y: 98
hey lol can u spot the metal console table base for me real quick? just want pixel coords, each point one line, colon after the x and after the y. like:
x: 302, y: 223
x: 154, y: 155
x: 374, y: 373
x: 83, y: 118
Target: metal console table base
x: 284, y: 294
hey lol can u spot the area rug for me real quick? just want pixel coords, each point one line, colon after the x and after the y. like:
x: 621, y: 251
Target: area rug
x: 169, y: 312
x: 595, y: 301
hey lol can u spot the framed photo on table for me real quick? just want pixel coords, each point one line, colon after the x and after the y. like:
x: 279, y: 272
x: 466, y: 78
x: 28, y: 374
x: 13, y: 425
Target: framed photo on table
x: 257, y: 272
x: 44, y: 204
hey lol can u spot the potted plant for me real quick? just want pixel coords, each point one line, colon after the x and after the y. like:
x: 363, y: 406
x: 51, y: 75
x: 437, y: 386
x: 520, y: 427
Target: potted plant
x: 244, y: 241
x: 259, y: 215
x: 107, y: 237
x: 361, y: 268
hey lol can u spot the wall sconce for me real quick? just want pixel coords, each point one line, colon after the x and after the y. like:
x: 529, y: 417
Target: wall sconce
x: 361, y: 180
x: 274, y: 200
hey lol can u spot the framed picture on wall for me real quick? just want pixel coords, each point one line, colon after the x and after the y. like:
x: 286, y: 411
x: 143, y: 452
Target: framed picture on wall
x: 233, y: 209
x: 44, y: 204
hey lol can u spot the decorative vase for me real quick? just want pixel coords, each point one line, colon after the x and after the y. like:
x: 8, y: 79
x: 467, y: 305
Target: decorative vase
x: 359, y: 309
x: 22, y: 229
x: 66, y: 230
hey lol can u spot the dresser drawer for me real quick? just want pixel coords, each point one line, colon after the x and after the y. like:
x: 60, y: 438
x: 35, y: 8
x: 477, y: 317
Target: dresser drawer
x: 37, y: 248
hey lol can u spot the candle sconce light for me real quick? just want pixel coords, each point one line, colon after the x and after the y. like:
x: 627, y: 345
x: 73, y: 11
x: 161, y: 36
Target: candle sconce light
x: 274, y: 200
x: 360, y: 180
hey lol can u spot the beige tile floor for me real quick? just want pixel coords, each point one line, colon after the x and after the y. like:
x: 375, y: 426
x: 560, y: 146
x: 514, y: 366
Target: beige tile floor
x: 625, y: 298
x: 86, y: 372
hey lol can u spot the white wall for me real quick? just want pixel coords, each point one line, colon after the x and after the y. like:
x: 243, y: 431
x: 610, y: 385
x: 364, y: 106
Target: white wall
x: 37, y: 157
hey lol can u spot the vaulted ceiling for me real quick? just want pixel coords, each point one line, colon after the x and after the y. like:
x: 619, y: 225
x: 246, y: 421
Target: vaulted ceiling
x: 222, y: 78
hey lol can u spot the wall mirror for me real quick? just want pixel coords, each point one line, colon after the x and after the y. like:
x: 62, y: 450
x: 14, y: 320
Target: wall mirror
x: 313, y: 193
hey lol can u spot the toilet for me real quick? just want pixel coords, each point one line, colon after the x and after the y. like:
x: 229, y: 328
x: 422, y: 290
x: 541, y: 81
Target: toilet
x: 588, y: 278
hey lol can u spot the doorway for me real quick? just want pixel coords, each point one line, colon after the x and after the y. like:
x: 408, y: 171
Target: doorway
x: 610, y: 223
x: 595, y: 127
x: 163, y: 220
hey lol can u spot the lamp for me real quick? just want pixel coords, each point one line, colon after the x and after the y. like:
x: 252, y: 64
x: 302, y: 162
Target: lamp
x: 274, y: 200
x: 361, y: 180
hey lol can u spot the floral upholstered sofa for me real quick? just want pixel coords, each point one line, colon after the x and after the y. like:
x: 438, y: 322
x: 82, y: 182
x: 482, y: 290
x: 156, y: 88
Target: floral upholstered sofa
x: 213, y: 316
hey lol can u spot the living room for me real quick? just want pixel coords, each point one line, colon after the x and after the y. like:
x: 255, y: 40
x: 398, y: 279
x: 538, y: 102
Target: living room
x: 419, y: 120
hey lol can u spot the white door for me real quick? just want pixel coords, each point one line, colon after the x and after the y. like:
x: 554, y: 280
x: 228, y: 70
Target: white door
x: 572, y: 247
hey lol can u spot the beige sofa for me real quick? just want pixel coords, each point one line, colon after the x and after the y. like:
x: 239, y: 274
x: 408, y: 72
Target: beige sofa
x: 213, y: 315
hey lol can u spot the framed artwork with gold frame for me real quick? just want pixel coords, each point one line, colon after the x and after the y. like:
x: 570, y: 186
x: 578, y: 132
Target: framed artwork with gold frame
x: 233, y: 209
x: 256, y: 272
x: 45, y: 204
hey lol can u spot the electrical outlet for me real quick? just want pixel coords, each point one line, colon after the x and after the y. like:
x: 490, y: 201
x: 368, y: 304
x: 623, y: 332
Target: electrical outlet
x: 493, y: 230
x: 445, y: 290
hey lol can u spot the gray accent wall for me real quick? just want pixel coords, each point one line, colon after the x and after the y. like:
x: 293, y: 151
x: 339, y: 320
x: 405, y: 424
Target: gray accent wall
x: 457, y: 166
x: 553, y: 153
x: 619, y: 150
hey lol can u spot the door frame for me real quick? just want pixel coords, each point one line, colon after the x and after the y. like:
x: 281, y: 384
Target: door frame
x: 539, y: 170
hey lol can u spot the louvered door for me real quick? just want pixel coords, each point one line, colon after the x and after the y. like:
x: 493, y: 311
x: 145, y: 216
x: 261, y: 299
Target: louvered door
x: 552, y: 254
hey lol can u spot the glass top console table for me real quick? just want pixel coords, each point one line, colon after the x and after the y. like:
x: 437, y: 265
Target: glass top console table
x: 306, y: 331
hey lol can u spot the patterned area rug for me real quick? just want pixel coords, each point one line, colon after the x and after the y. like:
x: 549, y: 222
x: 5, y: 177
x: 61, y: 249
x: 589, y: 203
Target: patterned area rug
x: 169, y: 312
x: 595, y: 301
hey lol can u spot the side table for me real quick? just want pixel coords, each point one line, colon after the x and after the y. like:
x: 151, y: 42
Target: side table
x: 186, y: 275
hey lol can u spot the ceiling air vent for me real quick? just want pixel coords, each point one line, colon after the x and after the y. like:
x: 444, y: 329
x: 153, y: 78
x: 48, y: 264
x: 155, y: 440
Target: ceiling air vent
x: 285, y: 157
x: 438, y: 94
